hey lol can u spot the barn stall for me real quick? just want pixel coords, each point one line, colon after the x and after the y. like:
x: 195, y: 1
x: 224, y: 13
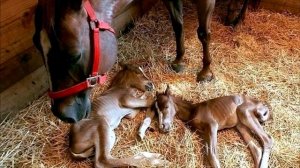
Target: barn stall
x: 260, y: 58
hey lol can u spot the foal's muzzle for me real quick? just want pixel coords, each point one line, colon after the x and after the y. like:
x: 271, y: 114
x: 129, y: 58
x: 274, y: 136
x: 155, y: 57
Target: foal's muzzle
x: 165, y: 128
x: 149, y: 86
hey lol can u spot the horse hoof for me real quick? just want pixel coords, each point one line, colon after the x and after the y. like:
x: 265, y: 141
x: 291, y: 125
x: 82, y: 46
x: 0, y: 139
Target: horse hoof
x: 177, y: 67
x: 205, y: 76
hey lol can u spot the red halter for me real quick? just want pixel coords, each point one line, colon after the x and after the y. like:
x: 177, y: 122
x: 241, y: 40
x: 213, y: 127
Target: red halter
x: 94, y: 79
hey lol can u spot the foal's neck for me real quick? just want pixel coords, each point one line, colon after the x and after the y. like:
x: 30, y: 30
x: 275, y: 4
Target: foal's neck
x: 184, y: 108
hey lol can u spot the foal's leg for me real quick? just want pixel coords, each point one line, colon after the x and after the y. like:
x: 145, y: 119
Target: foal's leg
x: 82, y: 137
x: 267, y: 141
x: 175, y: 10
x: 104, y: 143
x: 146, y: 123
x: 210, y: 137
x: 129, y: 101
x: 255, y: 150
x: 205, y: 9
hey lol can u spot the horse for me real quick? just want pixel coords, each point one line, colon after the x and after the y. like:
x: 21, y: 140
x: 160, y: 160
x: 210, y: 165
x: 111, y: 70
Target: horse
x: 78, y: 47
x: 119, y: 101
x: 208, y: 117
x: 205, y: 10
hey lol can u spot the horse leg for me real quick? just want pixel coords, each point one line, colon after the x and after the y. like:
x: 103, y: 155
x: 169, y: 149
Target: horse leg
x: 267, y: 141
x: 210, y: 138
x: 175, y: 10
x: 205, y: 9
x: 255, y: 150
x: 146, y: 123
x: 234, y: 14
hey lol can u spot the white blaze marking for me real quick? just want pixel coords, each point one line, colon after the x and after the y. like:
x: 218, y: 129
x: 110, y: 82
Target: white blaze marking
x: 159, y: 115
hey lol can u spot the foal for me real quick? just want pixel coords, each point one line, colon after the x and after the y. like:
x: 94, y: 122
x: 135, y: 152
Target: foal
x: 97, y: 132
x: 208, y: 117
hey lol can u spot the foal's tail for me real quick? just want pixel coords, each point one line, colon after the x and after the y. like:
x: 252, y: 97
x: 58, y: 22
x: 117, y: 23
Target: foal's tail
x: 142, y: 159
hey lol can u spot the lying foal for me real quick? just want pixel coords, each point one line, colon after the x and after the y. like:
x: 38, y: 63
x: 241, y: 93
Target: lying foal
x: 97, y: 132
x: 208, y: 117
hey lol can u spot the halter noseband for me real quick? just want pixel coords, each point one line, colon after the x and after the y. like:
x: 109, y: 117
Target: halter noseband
x: 94, y: 78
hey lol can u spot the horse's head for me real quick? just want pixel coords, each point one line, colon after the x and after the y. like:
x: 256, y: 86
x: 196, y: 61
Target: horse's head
x: 166, y: 110
x: 64, y: 37
x: 133, y: 76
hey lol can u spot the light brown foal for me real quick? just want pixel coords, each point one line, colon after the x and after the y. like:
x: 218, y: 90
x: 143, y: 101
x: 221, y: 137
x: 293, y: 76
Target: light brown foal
x: 208, y: 117
x: 97, y: 132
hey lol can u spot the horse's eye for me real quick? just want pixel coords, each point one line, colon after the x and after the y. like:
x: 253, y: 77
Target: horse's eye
x: 74, y: 58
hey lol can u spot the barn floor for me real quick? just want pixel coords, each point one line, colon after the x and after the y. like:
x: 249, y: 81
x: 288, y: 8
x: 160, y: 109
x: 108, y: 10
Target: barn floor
x: 260, y: 58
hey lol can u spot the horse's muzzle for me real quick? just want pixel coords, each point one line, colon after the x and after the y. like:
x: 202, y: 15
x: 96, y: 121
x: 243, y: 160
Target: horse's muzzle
x: 71, y: 113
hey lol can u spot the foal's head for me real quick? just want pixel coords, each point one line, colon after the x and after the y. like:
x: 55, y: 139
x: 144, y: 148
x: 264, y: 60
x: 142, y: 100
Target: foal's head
x: 63, y: 36
x: 166, y: 110
x: 262, y: 112
x: 134, y: 77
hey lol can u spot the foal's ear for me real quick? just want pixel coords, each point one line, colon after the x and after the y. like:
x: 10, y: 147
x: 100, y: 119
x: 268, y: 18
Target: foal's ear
x: 168, y: 91
x: 123, y: 66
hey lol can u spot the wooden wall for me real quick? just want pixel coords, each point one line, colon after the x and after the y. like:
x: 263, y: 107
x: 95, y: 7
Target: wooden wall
x: 22, y: 74
x: 292, y: 6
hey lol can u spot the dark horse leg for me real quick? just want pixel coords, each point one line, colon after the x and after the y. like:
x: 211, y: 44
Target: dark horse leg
x: 175, y: 9
x: 234, y: 14
x: 205, y: 9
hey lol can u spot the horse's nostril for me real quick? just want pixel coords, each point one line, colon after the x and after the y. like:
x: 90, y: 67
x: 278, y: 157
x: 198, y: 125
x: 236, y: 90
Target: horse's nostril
x: 69, y: 120
x: 149, y: 86
x: 265, y: 113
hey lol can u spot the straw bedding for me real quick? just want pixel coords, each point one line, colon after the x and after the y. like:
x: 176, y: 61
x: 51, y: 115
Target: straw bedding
x: 261, y: 58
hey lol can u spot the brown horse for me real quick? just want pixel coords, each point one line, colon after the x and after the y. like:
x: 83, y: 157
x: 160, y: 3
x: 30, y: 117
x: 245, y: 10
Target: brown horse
x: 208, y: 117
x: 205, y: 9
x: 97, y: 132
x: 65, y: 37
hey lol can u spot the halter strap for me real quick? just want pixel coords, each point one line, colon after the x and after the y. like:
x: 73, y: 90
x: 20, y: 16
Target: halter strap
x: 94, y: 78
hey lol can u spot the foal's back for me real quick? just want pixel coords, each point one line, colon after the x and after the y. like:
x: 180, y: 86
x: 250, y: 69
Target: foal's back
x: 221, y: 111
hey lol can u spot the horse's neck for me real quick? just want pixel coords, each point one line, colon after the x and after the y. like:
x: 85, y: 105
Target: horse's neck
x: 184, y: 108
x: 105, y: 9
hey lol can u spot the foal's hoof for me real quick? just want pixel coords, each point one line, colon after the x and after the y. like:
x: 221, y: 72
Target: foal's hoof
x: 177, y: 67
x: 205, y: 76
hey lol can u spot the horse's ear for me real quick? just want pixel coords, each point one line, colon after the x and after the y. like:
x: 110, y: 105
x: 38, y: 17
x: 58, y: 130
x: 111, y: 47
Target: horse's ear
x: 76, y: 4
x: 168, y: 91
x: 38, y: 27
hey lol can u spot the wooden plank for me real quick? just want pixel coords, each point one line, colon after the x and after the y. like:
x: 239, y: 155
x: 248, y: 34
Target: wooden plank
x: 16, y: 35
x: 22, y: 93
x: 292, y: 6
x: 18, y: 67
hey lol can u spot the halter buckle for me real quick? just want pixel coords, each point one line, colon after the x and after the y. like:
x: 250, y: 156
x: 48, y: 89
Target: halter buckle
x: 94, y: 24
x: 92, y: 81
